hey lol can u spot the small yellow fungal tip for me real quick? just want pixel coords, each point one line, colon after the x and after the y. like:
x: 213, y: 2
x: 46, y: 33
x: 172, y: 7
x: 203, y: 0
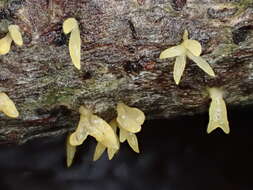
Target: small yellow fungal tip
x: 15, y: 34
x: 217, y: 112
x: 70, y: 151
x: 185, y: 35
x: 133, y: 142
x: 5, y: 44
x: 71, y: 25
x: 100, y: 148
x: 7, y: 106
x: 129, y: 118
x: 190, y: 48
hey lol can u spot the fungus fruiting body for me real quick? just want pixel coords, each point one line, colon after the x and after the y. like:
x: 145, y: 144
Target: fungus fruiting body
x: 13, y: 34
x: 217, y: 112
x: 71, y: 25
x: 94, y: 126
x: 188, y: 48
x: 7, y: 106
x: 129, y: 121
x: 100, y: 148
x: 70, y: 150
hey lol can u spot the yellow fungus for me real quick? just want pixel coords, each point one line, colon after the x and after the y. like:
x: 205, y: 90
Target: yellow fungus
x: 70, y: 150
x: 201, y: 63
x: 5, y: 44
x: 96, y: 127
x: 100, y: 148
x: 71, y: 25
x: 172, y: 52
x: 7, y: 106
x: 15, y: 35
x: 179, y: 67
x: 217, y: 112
x: 191, y: 49
x: 129, y: 121
x: 75, y: 47
x: 130, y: 118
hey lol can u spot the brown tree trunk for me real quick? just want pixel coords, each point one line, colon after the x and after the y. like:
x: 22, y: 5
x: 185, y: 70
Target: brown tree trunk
x: 121, y: 43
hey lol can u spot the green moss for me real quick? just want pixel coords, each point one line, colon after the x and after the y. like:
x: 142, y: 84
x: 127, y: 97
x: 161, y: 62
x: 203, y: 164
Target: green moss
x: 64, y: 96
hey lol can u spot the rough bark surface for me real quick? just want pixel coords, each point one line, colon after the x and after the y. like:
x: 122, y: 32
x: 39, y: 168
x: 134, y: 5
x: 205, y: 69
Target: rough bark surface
x: 121, y: 43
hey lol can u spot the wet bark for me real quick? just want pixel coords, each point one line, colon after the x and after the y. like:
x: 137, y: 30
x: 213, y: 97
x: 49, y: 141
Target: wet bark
x: 121, y: 43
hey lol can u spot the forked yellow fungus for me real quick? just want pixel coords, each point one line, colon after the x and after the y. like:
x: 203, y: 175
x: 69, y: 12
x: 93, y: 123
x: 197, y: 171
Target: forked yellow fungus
x: 217, y: 112
x: 188, y: 48
x: 129, y: 121
x: 7, y: 106
x: 100, y: 148
x: 71, y: 25
x: 94, y: 126
x: 70, y: 150
x: 13, y: 34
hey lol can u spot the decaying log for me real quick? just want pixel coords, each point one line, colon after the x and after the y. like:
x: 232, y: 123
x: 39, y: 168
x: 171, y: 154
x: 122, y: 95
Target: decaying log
x: 121, y: 43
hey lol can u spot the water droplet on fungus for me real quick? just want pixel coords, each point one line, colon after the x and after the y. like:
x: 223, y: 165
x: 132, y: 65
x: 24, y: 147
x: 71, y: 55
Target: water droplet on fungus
x: 190, y: 48
x: 217, y: 112
x: 7, y: 106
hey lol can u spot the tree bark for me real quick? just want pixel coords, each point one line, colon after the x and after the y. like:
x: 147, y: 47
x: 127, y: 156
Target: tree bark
x: 121, y: 43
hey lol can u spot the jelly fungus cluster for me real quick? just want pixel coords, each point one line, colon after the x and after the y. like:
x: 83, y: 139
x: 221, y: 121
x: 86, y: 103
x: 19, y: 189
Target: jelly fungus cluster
x: 129, y: 121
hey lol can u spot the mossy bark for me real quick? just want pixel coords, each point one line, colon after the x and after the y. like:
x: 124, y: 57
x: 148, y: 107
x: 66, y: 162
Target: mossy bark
x: 121, y: 43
